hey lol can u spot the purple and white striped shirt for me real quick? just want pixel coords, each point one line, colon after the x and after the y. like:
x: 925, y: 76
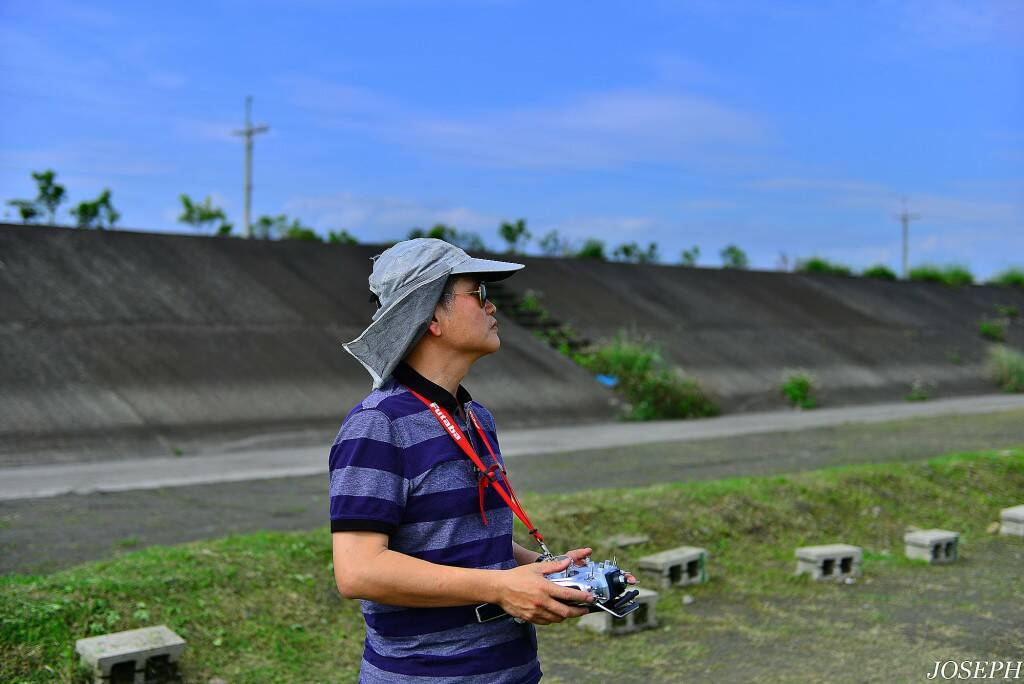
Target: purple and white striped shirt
x: 395, y: 470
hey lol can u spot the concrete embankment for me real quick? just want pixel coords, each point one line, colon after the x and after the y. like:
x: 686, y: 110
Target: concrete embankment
x: 117, y: 341
x: 737, y: 331
x: 126, y: 342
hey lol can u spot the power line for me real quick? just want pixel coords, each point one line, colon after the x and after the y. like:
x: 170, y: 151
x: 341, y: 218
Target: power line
x: 248, y: 133
x: 905, y: 218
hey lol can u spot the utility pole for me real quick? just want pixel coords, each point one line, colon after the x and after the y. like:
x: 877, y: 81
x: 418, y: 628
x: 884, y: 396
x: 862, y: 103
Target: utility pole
x: 248, y: 132
x: 905, y: 218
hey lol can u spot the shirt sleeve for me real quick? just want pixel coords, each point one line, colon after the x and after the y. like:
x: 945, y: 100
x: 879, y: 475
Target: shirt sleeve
x: 368, y: 483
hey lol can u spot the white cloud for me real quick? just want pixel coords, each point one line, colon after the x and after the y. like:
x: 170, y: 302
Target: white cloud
x: 598, y: 130
x: 374, y: 219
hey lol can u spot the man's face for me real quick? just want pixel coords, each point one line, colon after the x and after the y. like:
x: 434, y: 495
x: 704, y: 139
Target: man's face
x: 465, y: 325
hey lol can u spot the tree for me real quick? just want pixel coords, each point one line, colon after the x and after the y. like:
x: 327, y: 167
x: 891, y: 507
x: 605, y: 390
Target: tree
x: 633, y: 253
x: 341, y: 237
x: 513, y: 234
x: 553, y: 244
x: 733, y: 257
x: 690, y: 256
x: 279, y: 227
x: 440, y: 231
x: 592, y: 249
x: 50, y: 195
x: 99, y: 213
x: 27, y: 209
x: 204, y: 216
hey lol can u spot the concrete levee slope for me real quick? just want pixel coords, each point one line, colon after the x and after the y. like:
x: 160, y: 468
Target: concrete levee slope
x: 112, y: 338
x: 738, y: 331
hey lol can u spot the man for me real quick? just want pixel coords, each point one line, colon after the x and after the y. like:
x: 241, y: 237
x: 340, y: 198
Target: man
x: 416, y: 533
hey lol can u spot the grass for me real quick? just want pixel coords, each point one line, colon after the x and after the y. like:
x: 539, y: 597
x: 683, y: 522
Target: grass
x: 879, y: 271
x: 798, y: 387
x: 992, y: 329
x: 952, y: 275
x: 818, y: 264
x: 1005, y: 367
x: 653, y: 389
x: 263, y: 607
x: 1011, y: 277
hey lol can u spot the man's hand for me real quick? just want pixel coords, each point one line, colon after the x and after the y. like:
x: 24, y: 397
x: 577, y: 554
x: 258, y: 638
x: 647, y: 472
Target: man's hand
x: 527, y: 595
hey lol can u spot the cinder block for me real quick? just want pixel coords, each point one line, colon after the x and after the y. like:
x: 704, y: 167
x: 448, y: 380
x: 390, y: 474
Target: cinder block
x: 1011, y: 521
x: 622, y: 541
x: 678, y: 567
x: 934, y: 546
x: 643, y: 617
x: 829, y: 562
x: 128, y: 652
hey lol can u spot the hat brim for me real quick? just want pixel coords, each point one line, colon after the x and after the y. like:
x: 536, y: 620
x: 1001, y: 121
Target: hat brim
x: 488, y: 269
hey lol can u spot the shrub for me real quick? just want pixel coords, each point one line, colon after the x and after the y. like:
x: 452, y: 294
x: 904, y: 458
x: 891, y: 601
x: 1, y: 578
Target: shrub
x: 653, y: 390
x: 880, y: 271
x: 1011, y: 277
x: 949, y: 275
x: 992, y: 329
x: 798, y: 386
x: 920, y: 390
x: 1007, y: 311
x: 592, y: 249
x: 1005, y: 367
x: 733, y: 257
x: 820, y: 265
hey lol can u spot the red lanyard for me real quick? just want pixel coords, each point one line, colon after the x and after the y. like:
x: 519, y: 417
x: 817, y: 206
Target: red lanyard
x: 490, y: 475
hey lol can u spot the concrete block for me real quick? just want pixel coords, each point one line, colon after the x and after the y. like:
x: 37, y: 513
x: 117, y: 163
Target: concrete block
x: 829, y: 562
x: 643, y: 617
x: 127, y: 652
x: 679, y: 566
x: 934, y: 546
x: 1011, y: 521
x: 622, y: 541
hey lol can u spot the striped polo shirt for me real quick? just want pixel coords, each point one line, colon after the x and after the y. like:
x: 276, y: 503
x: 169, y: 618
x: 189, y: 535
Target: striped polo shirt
x: 395, y: 470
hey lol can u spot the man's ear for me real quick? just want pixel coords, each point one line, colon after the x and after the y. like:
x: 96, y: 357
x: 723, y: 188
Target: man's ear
x: 435, y: 326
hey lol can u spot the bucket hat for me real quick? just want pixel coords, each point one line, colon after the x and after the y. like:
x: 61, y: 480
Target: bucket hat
x: 408, y: 279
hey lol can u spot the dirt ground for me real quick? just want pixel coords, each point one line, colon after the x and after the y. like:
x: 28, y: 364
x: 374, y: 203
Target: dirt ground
x: 43, y: 535
x: 892, y: 625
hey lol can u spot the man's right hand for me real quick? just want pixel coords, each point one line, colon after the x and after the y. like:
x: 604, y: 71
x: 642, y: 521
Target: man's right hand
x: 527, y: 595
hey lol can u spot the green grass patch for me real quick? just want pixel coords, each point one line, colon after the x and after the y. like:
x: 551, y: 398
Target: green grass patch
x: 953, y: 275
x: 653, y: 388
x: 1011, y: 277
x: 879, y: 271
x: 263, y: 607
x: 799, y: 387
x: 818, y: 264
x: 1005, y: 367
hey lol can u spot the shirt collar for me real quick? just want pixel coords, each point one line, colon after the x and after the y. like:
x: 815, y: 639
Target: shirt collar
x: 407, y: 375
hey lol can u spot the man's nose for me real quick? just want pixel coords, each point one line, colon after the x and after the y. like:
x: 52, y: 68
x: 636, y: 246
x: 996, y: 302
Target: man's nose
x: 490, y: 308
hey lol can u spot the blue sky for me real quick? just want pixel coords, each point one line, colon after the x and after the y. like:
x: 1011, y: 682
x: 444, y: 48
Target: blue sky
x: 782, y: 127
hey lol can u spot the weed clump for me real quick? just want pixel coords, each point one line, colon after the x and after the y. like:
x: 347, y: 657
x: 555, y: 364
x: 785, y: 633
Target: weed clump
x: 1005, y: 367
x: 654, y: 390
x: 820, y: 265
x: 880, y: 271
x: 992, y: 329
x: 953, y: 275
x: 1011, y: 277
x: 799, y: 387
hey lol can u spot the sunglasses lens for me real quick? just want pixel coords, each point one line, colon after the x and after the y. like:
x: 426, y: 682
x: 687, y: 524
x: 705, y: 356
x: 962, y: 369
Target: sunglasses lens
x: 483, y: 294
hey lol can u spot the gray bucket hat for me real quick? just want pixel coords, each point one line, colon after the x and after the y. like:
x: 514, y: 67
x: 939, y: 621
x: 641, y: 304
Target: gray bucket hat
x: 408, y: 280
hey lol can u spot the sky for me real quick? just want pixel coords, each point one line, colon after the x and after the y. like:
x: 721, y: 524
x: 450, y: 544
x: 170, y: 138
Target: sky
x: 795, y: 128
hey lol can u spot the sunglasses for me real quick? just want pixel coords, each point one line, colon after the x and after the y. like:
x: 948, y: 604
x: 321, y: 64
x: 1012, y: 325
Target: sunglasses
x: 480, y: 293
